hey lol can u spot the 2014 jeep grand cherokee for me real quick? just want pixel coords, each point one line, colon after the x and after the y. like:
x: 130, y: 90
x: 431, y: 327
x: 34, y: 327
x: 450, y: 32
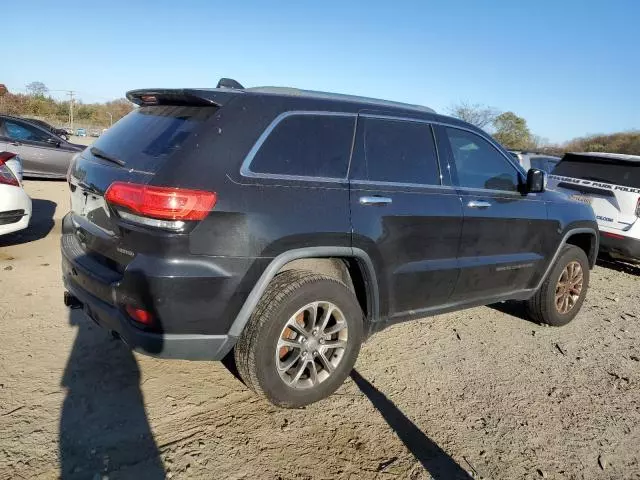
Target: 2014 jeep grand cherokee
x: 288, y: 226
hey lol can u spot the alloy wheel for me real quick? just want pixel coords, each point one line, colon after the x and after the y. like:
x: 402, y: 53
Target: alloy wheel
x: 311, y: 345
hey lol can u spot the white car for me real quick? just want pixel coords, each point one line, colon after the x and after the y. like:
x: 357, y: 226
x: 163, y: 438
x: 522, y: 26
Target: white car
x: 15, y: 204
x: 610, y: 183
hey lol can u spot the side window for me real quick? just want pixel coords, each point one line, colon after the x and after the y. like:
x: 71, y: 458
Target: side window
x: 479, y: 164
x: 540, y: 163
x: 398, y: 151
x: 307, y: 145
x: 21, y: 132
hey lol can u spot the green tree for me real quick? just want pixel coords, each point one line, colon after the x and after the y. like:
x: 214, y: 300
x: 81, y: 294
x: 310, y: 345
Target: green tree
x: 512, y: 131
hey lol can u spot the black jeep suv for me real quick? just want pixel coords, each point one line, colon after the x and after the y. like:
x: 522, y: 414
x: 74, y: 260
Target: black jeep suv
x: 289, y: 225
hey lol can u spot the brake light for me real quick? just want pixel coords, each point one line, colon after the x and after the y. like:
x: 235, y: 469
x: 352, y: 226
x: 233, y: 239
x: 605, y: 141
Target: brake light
x: 139, y: 315
x: 6, y: 175
x: 613, y: 235
x: 162, y: 203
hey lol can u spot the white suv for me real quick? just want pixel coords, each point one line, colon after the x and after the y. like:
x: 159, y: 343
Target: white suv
x: 610, y: 183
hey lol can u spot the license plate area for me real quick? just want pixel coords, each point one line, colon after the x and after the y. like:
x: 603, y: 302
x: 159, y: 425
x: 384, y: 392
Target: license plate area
x: 87, y: 282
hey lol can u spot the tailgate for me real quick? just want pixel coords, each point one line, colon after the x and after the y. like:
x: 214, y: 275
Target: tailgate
x: 133, y: 151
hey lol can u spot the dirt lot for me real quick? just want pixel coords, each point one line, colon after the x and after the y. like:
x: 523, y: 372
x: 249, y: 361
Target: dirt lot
x: 479, y: 393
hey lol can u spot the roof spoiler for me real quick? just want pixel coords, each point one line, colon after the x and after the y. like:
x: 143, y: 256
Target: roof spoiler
x: 202, y: 97
x: 186, y: 96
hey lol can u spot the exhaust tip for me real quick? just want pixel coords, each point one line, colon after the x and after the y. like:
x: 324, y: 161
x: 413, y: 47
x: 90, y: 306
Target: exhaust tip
x: 71, y: 301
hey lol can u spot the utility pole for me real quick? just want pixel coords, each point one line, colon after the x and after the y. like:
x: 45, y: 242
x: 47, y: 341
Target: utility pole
x: 71, y: 93
x: 110, y: 118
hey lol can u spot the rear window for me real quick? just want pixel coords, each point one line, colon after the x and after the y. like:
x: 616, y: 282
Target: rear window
x: 597, y: 169
x: 307, y: 145
x: 543, y: 163
x: 144, y: 138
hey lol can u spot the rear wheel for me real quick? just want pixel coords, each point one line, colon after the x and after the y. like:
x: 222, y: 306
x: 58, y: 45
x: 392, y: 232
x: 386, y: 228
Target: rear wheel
x: 561, y: 295
x: 302, y: 340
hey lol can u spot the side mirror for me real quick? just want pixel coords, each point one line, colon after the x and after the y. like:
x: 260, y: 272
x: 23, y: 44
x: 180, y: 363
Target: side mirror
x: 536, y: 180
x: 53, y: 141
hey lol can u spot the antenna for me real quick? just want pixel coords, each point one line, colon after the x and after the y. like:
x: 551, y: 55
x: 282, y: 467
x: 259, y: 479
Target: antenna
x: 229, y: 83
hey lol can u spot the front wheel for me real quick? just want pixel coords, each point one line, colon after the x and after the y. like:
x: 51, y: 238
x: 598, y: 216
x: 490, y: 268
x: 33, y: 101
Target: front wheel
x: 302, y: 340
x: 561, y: 295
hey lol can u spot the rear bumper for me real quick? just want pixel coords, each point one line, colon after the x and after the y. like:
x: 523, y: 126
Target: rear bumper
x: 192, y: 299
x: 627, y: 247
x: 15, y: 209
x: 168, y: 345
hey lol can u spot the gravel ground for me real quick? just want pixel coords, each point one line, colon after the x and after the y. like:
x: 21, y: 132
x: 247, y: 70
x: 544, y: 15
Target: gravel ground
x: 480, y: 393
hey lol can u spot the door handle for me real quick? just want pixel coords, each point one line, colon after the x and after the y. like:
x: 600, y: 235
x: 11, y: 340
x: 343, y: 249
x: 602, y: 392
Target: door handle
x: 478, y: 204
x: 375, y: 200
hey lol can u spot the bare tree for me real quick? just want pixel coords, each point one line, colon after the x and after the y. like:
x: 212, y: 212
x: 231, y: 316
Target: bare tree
x: 37, y: 89
x: 474, y: 113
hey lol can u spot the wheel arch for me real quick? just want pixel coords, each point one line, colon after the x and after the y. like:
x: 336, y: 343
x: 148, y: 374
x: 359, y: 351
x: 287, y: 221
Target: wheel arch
x: 353, y: 262
x: 587, y: 241
x: 578, y: 237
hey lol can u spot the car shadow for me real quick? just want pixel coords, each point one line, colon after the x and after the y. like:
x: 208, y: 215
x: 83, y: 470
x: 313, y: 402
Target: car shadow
x: 434, y: 460
x: 619, y: 265
x: 40, y: 225
x: 103, y: 426
x: 513, y: 308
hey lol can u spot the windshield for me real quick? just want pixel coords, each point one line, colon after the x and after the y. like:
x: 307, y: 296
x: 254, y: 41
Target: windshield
x: 599, y: 170
x: 147, y: 136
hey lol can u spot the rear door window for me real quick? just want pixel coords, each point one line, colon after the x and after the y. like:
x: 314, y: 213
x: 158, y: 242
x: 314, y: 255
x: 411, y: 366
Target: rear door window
x: 597, y: 169
x: 397, y: 151
x: 307, y: 145
x: 146, y: 137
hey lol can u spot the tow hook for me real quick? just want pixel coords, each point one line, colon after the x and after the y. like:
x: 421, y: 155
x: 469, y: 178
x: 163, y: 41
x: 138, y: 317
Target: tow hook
x: 71, y: 301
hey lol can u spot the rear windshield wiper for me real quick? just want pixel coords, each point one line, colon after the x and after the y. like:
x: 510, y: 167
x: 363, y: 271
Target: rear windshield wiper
x: 96, y: 152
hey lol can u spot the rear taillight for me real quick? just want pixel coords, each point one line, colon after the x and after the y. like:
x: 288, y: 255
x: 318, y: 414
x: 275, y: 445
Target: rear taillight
x: 139, y: 315
x: 638, y: 208
x: 6, y: 175
x: 613, y: 235
x: 163, y: 207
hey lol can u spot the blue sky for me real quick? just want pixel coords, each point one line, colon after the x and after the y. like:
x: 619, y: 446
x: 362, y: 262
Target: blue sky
x: 569, y: 67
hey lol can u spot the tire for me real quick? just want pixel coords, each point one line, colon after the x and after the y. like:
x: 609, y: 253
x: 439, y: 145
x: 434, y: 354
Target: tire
x: 278, y: 318
x: 543, y: 306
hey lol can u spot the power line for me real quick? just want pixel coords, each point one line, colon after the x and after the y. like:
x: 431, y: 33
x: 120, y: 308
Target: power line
x: 71, y: 93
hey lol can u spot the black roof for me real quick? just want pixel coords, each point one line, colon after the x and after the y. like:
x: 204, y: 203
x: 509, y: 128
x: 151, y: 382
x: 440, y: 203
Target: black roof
x: 230, y: 89
x: 605, y: 156
x: 312, y: 94
x: 219, y: 96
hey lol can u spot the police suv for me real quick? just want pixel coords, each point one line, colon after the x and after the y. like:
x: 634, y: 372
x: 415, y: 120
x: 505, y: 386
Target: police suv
x: 610, y: 183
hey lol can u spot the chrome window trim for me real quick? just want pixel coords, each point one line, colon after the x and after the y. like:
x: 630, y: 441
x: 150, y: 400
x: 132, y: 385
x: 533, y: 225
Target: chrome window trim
x: 493, y: 143
x: 401, y: 184
x: 510, y: 160
x: 480, y: 191
x: 245, y: 168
